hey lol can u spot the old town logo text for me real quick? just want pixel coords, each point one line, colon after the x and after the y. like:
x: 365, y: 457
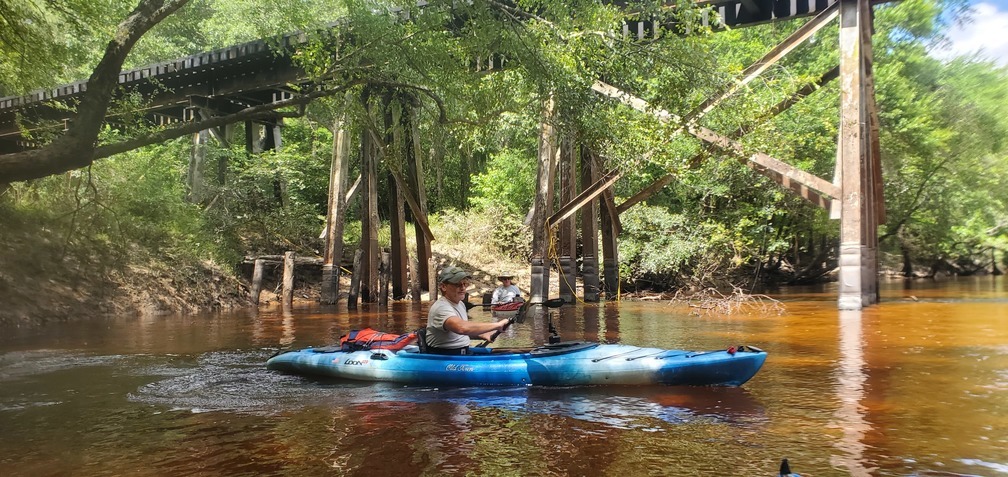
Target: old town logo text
x: 459, y: 367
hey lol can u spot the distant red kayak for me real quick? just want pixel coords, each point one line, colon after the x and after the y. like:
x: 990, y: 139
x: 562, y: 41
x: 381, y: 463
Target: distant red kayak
x: 507, y: 306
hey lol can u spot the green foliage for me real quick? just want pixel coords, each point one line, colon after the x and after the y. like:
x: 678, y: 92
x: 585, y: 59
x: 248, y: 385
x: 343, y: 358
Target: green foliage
x: 492, y: 235
x: 663, y: 250
x: 134, y: 201
x: 204, y: 25
x: 508, y: 183
x: 944, y: 152
x: 48, y: 42
x: 275, y: 201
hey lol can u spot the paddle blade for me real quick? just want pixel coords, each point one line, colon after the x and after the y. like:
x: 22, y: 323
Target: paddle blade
x: 520, y: 316
x: 785, y: 469
x: 554, y: 303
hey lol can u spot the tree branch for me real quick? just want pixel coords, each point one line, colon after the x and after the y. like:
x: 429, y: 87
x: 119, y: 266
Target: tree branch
x: 74, y: 149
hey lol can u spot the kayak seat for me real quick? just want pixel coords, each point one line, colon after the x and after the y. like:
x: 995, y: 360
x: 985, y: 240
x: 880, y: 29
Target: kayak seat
x: 421, y: 335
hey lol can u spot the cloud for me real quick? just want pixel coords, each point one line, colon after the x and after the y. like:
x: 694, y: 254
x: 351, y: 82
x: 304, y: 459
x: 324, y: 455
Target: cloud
x: 985, y: 35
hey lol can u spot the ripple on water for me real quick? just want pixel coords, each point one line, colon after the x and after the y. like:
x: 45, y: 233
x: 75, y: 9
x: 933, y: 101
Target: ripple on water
x: 1002, y: 468
x: 23, y: 364
x: 224, y: 381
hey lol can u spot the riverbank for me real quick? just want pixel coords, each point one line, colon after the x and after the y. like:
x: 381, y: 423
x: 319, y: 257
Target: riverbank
x: 49, y: 276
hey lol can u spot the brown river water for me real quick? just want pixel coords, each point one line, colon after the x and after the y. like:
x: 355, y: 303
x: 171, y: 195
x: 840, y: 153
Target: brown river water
x: 917, y: 385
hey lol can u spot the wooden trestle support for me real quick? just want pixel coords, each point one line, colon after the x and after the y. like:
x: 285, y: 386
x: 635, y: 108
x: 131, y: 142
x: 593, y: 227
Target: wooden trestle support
x: 854, y: 196
x: 376, y: 271
x: 862, y: 206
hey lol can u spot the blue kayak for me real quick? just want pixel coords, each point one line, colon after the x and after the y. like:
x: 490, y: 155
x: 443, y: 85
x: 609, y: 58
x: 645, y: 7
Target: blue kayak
x: 560, y: 364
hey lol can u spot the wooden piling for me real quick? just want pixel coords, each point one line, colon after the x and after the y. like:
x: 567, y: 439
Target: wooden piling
x: 539, y: 283
x: 858, y: 215
x: 432, y: 279
x: 251, y: 141
x: 288, y: 279
x: 195, y: 179
x: 414, y: 161
x: 397, y: 204
x: 543, y: 205
x: 369, y: 211
x: 355, y: 280
x: 257, y: 276
x: 567, y: 231
x: 336, y: 216
x: 610, y: 252
x: 384, y: 277
x: 589, y: 232
x: 415, y: 279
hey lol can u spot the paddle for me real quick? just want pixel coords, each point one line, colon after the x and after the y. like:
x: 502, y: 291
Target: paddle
x: 468, y: 304
x: 520, y: 317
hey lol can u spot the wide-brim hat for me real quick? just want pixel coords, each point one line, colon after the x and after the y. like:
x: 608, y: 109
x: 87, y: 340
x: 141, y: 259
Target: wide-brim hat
x: 504, y: 276
x: 453, y: 275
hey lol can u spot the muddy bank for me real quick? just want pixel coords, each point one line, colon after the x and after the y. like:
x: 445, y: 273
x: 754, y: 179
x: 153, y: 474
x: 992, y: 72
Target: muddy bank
x: 45, y: 277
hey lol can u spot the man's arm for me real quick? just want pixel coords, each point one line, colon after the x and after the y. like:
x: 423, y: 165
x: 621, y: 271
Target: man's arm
x: 473, y: 329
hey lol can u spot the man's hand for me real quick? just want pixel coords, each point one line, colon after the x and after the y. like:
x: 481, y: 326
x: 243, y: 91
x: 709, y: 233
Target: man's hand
x: 488, y: 336
x: 500, y: 325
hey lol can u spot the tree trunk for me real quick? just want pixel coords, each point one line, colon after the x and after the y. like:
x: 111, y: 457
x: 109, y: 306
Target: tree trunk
x: 75, y: 149
x: 907, y: 263
x: 288, y: 279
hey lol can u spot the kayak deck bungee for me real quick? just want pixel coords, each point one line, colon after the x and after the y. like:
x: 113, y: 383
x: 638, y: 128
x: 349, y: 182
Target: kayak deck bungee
x: 571, y: 363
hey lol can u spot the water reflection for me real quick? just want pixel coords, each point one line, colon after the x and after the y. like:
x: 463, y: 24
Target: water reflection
x: 850, y: 389
x: 912, y: 386
x: 287, y: 338
x: 591, y: 322
x: 612, y: 322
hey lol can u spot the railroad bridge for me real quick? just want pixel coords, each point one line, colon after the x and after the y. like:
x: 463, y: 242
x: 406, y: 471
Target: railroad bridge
x: 261, y: 73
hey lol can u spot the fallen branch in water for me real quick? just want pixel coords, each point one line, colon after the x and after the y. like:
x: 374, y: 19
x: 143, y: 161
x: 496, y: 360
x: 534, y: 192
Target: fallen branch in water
x: 713, y: 301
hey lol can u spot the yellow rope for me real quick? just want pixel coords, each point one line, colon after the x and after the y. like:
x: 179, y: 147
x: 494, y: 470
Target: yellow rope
x: 555, y: 257
x: 552, y: 255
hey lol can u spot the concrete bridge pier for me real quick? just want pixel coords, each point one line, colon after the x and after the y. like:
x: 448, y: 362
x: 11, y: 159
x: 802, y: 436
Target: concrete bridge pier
x: 859, y: 170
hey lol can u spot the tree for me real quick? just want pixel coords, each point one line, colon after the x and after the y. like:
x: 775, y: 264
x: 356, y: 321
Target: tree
x: 79, y: 146
x: 943, y: 129
x: 432, y: 54
x: 75, y: 148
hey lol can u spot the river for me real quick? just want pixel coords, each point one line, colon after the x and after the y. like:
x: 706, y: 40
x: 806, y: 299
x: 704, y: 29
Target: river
x: 916, y: 385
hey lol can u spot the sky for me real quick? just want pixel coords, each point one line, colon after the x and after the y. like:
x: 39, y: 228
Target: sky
x: 987, y: 34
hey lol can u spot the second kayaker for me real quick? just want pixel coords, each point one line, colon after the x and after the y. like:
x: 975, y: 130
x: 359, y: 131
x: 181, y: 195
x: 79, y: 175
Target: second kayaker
x: 507, y: 292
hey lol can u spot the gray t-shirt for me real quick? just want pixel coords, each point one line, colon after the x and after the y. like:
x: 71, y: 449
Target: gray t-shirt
x: 437, y: 335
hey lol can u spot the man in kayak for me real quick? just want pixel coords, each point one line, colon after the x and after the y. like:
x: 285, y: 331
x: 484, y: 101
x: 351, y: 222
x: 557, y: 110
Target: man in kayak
x: 507, y: 292
x: 448, y: 326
